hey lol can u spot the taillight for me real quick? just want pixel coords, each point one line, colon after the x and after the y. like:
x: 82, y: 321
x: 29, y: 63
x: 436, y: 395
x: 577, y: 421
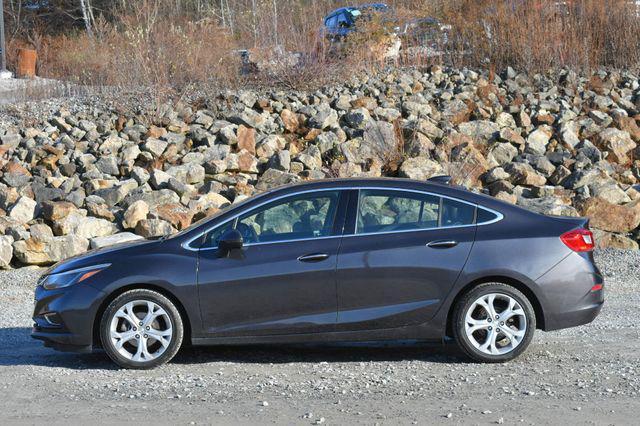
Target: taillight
x: 578, y: 240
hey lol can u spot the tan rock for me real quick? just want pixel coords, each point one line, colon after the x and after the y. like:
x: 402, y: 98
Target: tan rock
x: 611, y: 217
x: 134, y: 214
x: 247, y: 139
x: 605, y: 239
x: 57, y: 210
x: 618, y: 143
x: 290, y: 120
x: 176, y: 214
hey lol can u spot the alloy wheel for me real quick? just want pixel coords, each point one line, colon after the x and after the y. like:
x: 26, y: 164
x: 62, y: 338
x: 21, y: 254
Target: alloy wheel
x: 141, y: 330
x: 495, y: 324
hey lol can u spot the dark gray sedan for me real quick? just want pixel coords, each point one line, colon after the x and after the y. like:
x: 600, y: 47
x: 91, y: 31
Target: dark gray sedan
x: 329, y: 261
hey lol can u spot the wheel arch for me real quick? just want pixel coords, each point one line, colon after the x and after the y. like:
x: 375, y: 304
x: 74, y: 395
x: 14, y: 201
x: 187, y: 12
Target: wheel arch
x: 522, y: 287
x: 163, y: 291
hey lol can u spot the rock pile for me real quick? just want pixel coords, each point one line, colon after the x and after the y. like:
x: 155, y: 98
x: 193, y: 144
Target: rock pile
x: 558, y: 144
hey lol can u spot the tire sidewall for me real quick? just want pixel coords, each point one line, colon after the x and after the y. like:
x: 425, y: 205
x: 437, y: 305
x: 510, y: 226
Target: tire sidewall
x: 141, y: 294
x: 465, y: 303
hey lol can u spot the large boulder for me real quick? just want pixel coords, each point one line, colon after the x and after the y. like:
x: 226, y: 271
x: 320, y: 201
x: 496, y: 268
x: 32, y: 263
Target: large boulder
x: 524, y: 174
x: 176, y: 214
x: 57, y: 210
x: 611, y: 217
x: 618, y: 143
x: 24, y: 210
x: 35, y: 252
x: 6, y: 251
x: 77, y: 223
x: 189, y: 173
x: 154, y: 228
x: 273, y: 178
x: 538, y: 140
x: 419, y: 168
x: 109, y: 240
x: 207, y: 201
x: 136, y: 212
x: 480, y: 130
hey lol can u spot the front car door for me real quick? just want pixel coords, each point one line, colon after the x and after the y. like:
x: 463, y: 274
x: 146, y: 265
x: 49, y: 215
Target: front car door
x: 283, y: 279
x: 405, y: 252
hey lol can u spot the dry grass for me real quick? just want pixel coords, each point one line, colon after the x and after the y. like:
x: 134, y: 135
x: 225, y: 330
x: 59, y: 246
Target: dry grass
x: 536, y: 35
x: 146, y: 47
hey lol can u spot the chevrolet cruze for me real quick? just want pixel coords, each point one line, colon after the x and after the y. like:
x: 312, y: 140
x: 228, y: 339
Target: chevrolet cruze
x: 331, y: 261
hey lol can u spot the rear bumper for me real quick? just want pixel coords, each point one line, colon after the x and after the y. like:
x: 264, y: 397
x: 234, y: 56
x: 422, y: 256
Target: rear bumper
x: 569, y: 298
x: 573, y: 318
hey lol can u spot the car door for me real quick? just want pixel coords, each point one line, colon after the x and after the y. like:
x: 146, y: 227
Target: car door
x: 283, y: 279
x: 405, y: 252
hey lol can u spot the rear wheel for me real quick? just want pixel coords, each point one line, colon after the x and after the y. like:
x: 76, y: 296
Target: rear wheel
x: 141, y: 329
x: 493, y: 322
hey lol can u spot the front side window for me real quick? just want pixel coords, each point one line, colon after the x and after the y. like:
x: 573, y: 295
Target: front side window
x: 387, y: 211
x: 302, y: 216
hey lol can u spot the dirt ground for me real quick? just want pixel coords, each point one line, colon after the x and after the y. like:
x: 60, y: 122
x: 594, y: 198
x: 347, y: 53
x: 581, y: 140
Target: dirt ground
x: 586, y: 375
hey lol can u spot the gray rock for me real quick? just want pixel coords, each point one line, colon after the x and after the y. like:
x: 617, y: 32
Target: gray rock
x: 6, y: 251
x: 108, y: 165
x: 480, y: 130
x: 120, y: 238
x: 272, y: 178
x: 190, y: 173
x: 154, y: 228
x: 155, y: 146
x: 24, y: 210
x: 538, y: 140
x: 324, y: 119
x: 357, y: 118
x: 419, y: 168
x: 503, y: 153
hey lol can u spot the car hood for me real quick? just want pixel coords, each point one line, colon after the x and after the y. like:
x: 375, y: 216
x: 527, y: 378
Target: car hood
x: 100, y: 256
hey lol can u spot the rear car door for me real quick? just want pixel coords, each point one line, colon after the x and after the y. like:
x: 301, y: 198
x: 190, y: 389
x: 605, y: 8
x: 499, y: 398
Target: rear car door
x: 283, y: 279
x: 404, y: 253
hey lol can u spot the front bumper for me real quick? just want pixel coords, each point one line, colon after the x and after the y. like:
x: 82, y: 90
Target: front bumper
x: 569, y: 298
x: 64, y: 318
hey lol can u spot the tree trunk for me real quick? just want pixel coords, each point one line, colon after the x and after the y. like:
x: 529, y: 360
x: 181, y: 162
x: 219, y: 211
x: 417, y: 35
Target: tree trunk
x: 86, y: 15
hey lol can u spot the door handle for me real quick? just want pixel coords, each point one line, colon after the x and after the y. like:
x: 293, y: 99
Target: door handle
x: 442, y: 244
x: 316, y: 257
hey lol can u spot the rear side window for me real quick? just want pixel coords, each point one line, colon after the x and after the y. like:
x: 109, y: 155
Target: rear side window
x: 485, y: 216
x: 456, y: 213
x: 387, y: 211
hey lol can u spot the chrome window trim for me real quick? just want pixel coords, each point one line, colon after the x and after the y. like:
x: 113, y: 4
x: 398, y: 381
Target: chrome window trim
x: 499, y: 216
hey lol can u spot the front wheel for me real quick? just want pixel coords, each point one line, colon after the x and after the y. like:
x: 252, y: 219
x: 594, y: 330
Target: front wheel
x: 141, y: 329
x: 493, y: 322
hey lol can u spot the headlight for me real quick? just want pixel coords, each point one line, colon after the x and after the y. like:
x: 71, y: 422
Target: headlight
x: 68, y: 278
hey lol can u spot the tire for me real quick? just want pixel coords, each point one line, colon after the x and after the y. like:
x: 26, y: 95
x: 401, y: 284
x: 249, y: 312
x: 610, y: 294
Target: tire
x: 474, y: 330
x: 145, y: 346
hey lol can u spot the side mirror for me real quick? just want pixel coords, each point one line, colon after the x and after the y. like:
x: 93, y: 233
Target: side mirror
x: 230, y: 240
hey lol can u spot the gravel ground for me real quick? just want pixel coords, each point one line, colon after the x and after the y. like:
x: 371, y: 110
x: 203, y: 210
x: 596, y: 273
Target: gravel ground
x: 585, y: 375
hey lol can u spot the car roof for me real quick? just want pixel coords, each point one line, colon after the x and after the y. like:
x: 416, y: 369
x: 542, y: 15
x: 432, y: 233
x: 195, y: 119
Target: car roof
x: 381, y: 182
